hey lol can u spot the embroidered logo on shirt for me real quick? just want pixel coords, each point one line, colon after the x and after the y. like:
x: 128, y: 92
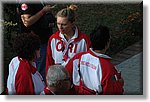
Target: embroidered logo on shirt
x: 88, y: 64
x: 24, y: 7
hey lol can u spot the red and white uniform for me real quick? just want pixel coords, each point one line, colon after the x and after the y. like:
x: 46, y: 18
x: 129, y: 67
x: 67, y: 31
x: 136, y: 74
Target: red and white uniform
x: 93, y: 73
x: 59, y: 50
x: 24, y: 78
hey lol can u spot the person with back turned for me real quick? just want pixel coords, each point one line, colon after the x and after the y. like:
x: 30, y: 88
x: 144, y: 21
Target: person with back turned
x: 92, y: 72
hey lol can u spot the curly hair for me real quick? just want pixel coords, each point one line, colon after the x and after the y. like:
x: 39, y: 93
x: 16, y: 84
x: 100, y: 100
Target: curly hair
x: 56, y: 73
x: 26, y: 44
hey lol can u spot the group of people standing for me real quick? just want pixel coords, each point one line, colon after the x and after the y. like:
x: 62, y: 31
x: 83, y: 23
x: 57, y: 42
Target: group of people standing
x: 64, y: 62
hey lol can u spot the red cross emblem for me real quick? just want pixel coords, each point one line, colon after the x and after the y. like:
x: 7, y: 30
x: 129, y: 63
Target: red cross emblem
x: 24, y: 7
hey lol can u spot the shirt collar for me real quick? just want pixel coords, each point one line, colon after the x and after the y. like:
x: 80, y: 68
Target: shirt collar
x: 32, y: 67
x: 99, y: 54
x: 74, y: 36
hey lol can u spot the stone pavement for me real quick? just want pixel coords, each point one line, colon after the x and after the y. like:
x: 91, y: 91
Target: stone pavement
x: 132, y: 72
x: 130, y: 63
x: 128, y: 52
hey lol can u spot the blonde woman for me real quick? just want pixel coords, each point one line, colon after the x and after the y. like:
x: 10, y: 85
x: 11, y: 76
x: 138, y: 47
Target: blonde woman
x: 68, y: 40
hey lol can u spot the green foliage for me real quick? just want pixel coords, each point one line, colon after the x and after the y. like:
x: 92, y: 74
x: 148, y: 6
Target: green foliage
x: 123, y: 20
x: 8, y: 24
x: 133, y: 23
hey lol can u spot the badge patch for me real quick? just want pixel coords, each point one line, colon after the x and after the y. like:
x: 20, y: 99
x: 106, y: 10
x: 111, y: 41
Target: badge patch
x: 24, y: 7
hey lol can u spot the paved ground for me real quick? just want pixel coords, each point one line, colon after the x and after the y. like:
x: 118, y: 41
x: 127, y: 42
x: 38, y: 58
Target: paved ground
x: 128, y: 52
x: 130, y: 62
x: 132, y: 72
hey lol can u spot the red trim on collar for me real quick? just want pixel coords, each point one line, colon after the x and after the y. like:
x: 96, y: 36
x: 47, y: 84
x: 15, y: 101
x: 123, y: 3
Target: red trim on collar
x: 31, y: 67
x: 101, y: 54
x: 91, y: 52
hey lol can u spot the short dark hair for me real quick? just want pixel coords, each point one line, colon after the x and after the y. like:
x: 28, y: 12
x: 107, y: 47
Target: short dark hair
x: 100, y: 37
x: 26, y: 44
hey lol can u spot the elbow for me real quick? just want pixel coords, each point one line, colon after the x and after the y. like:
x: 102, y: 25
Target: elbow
x: 27, y: 24
x: 25, y: 20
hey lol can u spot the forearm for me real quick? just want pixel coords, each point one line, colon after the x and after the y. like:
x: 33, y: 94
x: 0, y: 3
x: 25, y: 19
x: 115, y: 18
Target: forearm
x: 30, y: 20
